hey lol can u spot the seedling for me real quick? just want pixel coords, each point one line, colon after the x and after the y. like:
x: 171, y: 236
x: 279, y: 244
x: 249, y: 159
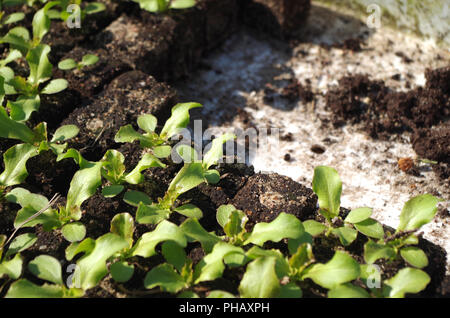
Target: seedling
x: 113, y: 170
x: 47, y: 268
x: 10, y: 260
x: 328, y: 187
x: 35, y: 141
x: 66, y: 9
x: 158, y: 144
x: 193, y: 173
x: 70, y: 64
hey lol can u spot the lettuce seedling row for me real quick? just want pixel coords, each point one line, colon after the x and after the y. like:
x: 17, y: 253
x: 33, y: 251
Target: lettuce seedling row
x: 90, y: 196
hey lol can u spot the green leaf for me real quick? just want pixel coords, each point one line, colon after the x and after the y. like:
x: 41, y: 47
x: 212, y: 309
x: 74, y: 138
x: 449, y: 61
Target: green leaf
x: 179, y: 119
x: 417, y: 212
x: 165, y: 231
x: 162, y: 151
x: 47, y: 268
x: 219, y: 294
x: 302, y: 258
x: 121, y: 272
x: 348, y: 291
x: 374, y: 252
x: 189, y: 177
x: 284, y: 226
x: 89, y: 59
x: 14, y: 130
x: 41, y: 24
x: 346, y: 235
x: 151, y: 214
x: 12, y: 56
x: 114, y: 166
x: 290, y: 290
x: 86, y: 246
x: 13, y: 18
x: 11, y: 268
x: 328, y: 187
x: 127, y: 134
x: 147, y: 123
x: 94, y: 7
x: 65, y: 132
x: 212, y: 266
x: 22, y: 108
x: 74, y: 232
x: 414, y: 256
x: 92, y: 267
x: 358, y: 215
x: 84, y: 184
x: 123, y: 225
x: 134, y: 198
x: 152, y: 5
x: 146, y: 162
x: 212, y: 176
x: 31, y: 204
x: 40, y: 67
x: 55, y: 86
x: 187, y: 294
x: 370, y: 228
x: 236, y: 223
x: 19, y: 39
x: 165, y: 277
x: 182, y: 4
x: 224, y: 212
x: 216, y: 152
x: 174, y: 254
x: 26, y: 289
x: 21, y: 243
x: 252, y: 286
x: 313, y: 227
x: 112, y: 191
x: 282, y: 267
x: 294, y: 244
x: 187, y: 153
x: 342, y: 268
x: 190, y: 211
x: 407, y: 280
x: 195, y: 232
x: 67, y: 64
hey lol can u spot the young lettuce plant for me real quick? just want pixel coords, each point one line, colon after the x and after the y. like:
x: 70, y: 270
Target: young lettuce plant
x: 35, y: 141
x: 66, y: 9
x: 417, y: 212
x: 47, y: 268
x: 164, y: 5
x: 158, y: 144
x: 19, y: 38
x: 192, y: 174
x: 10, y: 259
x: 328, y: 187
x: 70, y: 64
x: 113, y: 170
x: 123, y: 262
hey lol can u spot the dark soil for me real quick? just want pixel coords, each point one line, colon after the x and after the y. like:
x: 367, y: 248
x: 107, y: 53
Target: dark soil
x: 128, y: 96
x: 383, y: 113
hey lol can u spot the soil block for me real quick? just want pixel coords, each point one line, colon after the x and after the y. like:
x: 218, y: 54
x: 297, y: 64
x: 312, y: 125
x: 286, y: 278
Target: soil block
x: 128, y: 96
